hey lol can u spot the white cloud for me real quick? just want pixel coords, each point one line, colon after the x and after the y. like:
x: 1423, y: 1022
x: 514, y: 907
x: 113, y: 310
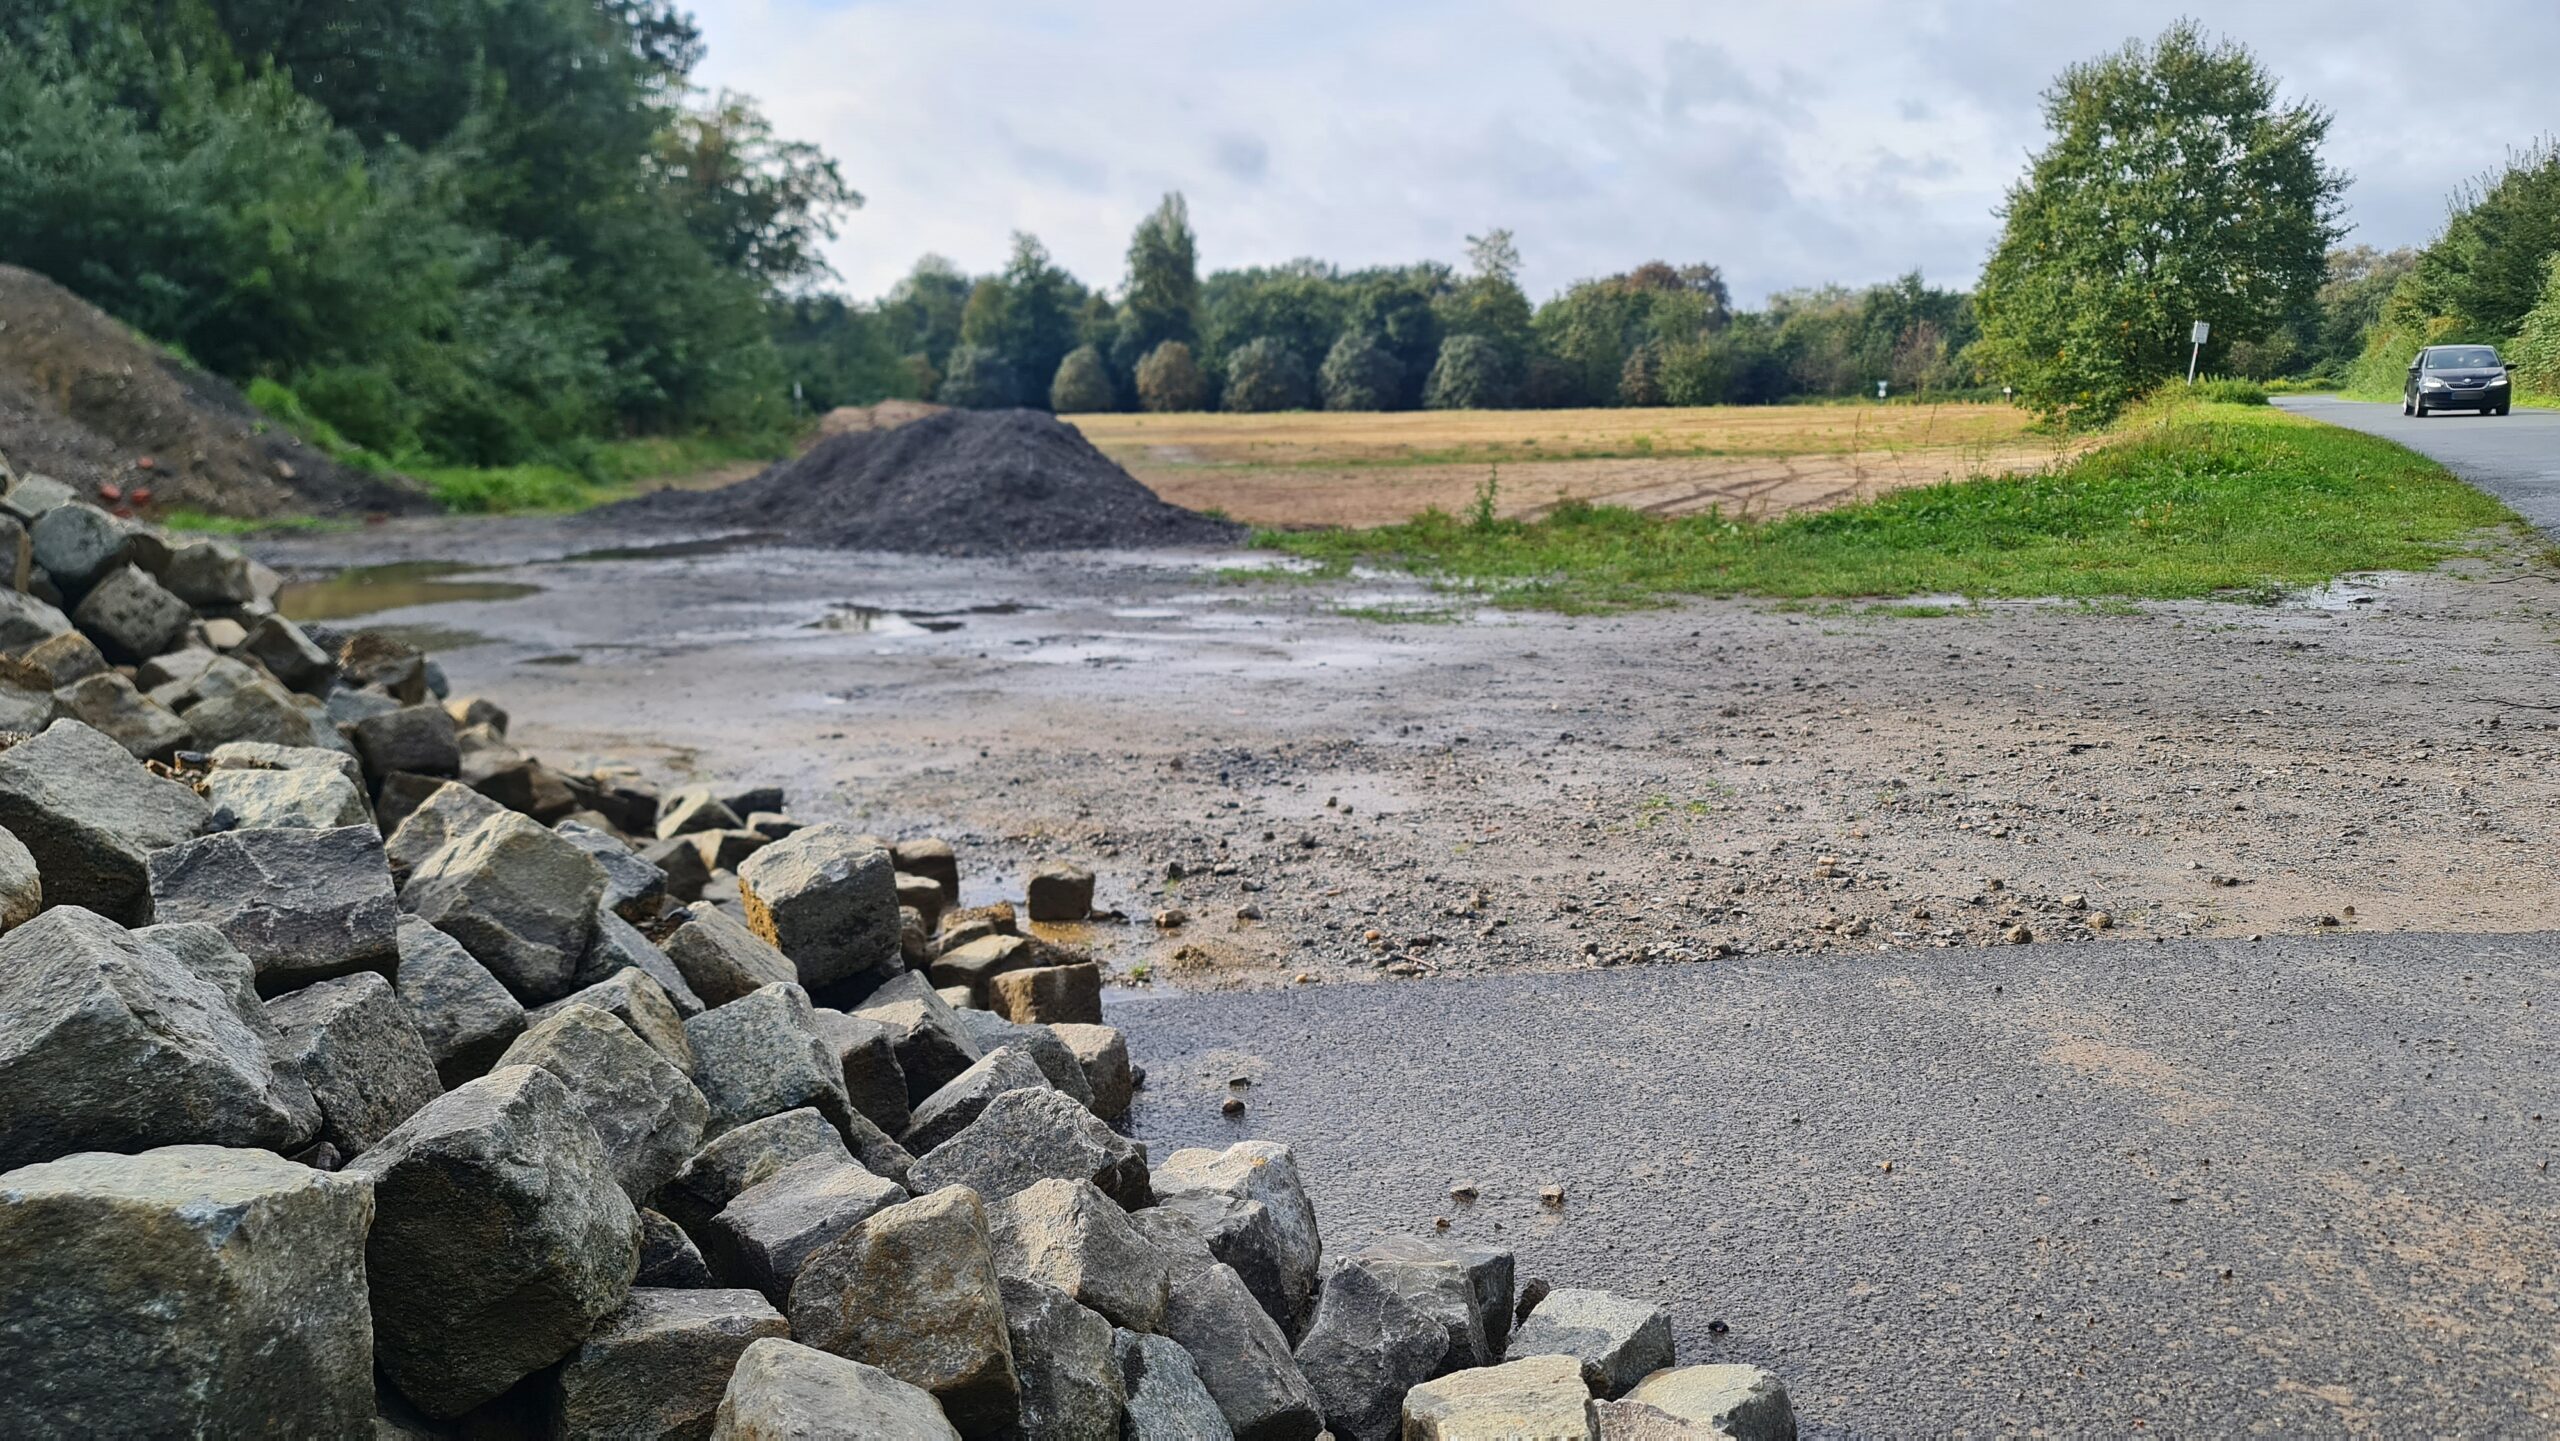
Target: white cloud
x: 1842, y: 140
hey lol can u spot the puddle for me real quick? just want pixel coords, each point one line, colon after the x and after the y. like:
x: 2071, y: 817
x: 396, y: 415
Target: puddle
x: 434, y: 638
x: 882, y: 620
x: 370, y: 589
x: 2343, y: 594
x: 871, y: 620
x: 678, y: 549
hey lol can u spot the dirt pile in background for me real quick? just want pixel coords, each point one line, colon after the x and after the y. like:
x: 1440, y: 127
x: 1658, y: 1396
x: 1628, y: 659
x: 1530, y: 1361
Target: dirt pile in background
x: 887, y: 415
x: 84, y: 400
x: 961, y: 482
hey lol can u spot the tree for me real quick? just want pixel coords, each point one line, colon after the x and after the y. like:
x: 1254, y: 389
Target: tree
x: 1169, y: 379
x: 2360, y: 283
x: 837, y: 353
x: 1640, y: 383
x: 2535, y: 352
x: 2487, y: 269
x: 1027, y: 314
x: 978, y: 378
x: 924, y: 308
x: 1163, y: 299
x: 2176, y: 188
x: 1697, y: 372
x: 1083, y: 384
x: 1396, y: 307
x: 462, y: 231
x: 1264, y: 374
x: 1489, y: 302
x: 2478, y: 280
x: 758, y: 203
x: 1359, y: 374
x: 1471, y: 374
x: 1301, y: 305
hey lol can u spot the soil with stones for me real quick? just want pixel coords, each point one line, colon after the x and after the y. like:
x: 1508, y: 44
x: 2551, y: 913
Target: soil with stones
x: 1330, y: 797
x: 957, y: 482
x: 83, y: 400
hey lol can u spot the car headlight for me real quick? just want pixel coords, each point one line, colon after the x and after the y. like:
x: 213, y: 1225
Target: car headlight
x: 2431, y: 383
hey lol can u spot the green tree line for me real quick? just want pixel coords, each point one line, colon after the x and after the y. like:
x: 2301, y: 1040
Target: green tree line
x: 456, y: 231
x: 1310, y: 335
x: 2491, y: 276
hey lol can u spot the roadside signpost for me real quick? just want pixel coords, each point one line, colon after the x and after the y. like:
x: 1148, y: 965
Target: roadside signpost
x: 2201, y: 331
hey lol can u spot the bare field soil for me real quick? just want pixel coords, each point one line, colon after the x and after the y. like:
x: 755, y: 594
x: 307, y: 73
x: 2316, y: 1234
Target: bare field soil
x: 1363, y: 469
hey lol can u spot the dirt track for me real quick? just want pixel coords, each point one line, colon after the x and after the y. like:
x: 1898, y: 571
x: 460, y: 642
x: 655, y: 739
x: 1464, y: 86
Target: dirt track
x: 1538, y: 791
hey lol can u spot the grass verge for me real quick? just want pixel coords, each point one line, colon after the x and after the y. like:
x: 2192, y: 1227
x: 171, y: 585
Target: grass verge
x: 2188, y: 500
x: 607, y: 471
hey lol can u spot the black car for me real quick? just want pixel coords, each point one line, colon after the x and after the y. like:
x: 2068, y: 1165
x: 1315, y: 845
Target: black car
x: 2457, y: 377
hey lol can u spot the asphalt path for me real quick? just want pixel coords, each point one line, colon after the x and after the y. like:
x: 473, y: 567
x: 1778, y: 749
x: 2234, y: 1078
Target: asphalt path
x: 2514, y: 457
x: 2192, y: 1188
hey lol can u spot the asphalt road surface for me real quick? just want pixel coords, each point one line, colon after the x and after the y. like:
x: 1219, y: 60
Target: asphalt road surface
x: 2188, y: 1188
x: 2514, y: 457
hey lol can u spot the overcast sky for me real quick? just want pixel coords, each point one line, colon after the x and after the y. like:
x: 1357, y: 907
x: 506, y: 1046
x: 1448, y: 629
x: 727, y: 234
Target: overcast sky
x: 1792, y: 144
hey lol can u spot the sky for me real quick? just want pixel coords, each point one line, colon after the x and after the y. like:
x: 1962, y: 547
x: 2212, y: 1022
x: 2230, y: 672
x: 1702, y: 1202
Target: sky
x: 1791, y: 144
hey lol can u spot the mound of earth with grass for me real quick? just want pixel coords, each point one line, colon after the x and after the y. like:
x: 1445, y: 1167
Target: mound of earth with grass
x: 960, y: 482
x: 88, y: 402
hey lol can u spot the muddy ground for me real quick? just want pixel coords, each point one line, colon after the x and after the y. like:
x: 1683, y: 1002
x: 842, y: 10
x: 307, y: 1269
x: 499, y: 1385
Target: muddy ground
x: 1346, y: 800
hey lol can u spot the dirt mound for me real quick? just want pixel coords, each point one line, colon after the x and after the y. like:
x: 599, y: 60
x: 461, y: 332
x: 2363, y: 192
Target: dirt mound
x: 961, y: 482
x: 887, y: 415
x: 84, y: 400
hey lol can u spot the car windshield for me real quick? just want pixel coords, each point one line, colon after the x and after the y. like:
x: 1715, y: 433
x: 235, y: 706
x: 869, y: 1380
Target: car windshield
x: 2462, y: 357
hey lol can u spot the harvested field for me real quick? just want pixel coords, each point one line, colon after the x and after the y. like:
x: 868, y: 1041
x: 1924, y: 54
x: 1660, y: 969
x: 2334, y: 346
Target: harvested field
x: 1311, y: 468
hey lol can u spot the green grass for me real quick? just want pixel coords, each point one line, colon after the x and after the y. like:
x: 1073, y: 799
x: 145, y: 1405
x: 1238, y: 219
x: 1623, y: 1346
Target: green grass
x: 205, y: 523
x: 609, y: 470
x: 2187, y: 500
x: 590, y: 473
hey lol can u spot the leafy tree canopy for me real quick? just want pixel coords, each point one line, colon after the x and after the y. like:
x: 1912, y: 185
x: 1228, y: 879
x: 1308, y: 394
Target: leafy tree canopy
x: 2178, y: 187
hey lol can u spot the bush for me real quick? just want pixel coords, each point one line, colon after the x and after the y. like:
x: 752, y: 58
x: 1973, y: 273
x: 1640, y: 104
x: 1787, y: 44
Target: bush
x: 976, y: 378
x: 1547, y: 383
x: 1263, y: 374
x: 1360, y: 374
x: 1697, y: 372
x: 1640, y: 382
x: 1470, y: 375
x: 2534, y: 355
x: 2224, y: 390
x: 1169, y: 379
x: 1082, y: 386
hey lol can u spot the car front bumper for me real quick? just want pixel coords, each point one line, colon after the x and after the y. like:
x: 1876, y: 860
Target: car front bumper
x: 2486, y: 397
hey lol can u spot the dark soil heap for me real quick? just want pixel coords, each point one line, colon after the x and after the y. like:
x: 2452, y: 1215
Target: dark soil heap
x: 961, y: 482
x: 86, y: 401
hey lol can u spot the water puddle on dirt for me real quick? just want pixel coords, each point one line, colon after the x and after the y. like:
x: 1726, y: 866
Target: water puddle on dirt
x: 882, y: 620
x: 2346, y: 593
x: 370, y: 589
x: 434, y: 638
x: 678, y: 549
x: 871, y: 620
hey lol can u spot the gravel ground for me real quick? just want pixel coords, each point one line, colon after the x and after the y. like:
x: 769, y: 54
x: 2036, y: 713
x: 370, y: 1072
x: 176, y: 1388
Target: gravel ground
x: 1536, y: 791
